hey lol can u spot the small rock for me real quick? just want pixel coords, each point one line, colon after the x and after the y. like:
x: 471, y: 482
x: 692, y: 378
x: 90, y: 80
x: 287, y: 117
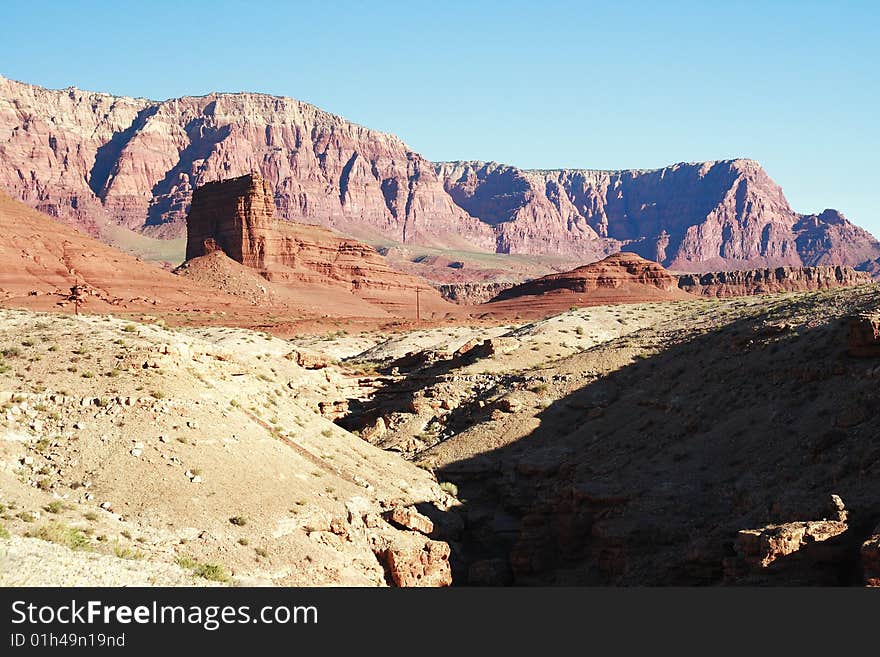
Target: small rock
x: 136, y: 452
x: 409, y: 518
x: 196, y: 479
x: 106, y: 506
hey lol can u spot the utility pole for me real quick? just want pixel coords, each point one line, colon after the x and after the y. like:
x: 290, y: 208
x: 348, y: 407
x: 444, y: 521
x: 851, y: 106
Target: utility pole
x: 418, y: 309
x: 76, y: 297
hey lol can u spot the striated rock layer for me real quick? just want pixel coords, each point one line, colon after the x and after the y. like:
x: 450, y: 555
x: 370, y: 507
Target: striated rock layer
x: 698, y: 217
x: 767, y: 281
x: 472, y: 293
x: 47, y: 265
x: 90, y: 158
x: 619, y: 278
x: 81, y: 155
x: 236, y: 217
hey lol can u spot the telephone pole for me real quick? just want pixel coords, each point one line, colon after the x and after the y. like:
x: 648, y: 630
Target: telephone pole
x: 418, y: 309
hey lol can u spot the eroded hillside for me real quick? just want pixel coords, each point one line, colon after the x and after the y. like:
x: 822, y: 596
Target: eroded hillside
x: 198, y: 451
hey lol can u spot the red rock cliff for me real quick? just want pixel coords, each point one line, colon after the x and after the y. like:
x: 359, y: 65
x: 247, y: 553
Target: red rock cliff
x: 236, y: 217
x: 766, y: 281
x: 91, y: 158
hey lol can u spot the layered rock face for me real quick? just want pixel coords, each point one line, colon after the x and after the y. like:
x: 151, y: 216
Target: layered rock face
x: 46, y: 265
x: 713, y: 215
x: 236, y: 217
x: 87, y: 156
x: 619, y: 278
x: 90, y: 158
x: 472, y: 293
x: 623, y: 276
x: 767, y: 281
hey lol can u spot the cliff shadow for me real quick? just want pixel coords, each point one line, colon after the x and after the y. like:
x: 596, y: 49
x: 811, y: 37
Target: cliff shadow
x: 203, y: 140
x: 645, y: 476
x: 107, y: 155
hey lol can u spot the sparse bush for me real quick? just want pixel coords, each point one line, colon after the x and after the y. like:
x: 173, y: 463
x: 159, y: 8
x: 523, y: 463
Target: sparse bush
x: 56, y: 506
x: 238, y: 521
x: 261, y: 552
x: 27, y: 516
x: 213, y: 572
x: 129, y: 328
x: 449, y: 487
x: 124, y: 552
x: 243, y: 541
x: 91, y: 516
x: 10, y: 352
x: 88, y: 375
x: 70, y: 537
x: 157, y: 394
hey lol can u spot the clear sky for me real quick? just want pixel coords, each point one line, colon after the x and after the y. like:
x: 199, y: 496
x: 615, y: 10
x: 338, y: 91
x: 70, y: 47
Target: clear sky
x: 793, y: 84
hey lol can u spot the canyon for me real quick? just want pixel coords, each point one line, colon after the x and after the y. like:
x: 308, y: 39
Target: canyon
x: 369, y: 369
x: 106, y: 163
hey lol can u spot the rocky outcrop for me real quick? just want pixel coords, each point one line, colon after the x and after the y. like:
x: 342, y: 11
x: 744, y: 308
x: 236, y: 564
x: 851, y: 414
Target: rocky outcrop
x: 236, y: 217
x: 767, y: 281
x: 91, y: 158
x: 870, y: 555
x: 619, y: 278
x: 424, y: 565
x: 762, y: 547
x: 863, y: 339
x: 471, y: 294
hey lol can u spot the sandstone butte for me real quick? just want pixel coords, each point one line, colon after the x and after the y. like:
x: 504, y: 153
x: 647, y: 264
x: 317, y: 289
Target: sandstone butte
x: 232, y: 223
x: 96, y: 160
x: 619, y: 278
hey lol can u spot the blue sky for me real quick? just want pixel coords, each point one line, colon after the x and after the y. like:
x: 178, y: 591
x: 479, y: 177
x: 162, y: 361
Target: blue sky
x: 622, y: 84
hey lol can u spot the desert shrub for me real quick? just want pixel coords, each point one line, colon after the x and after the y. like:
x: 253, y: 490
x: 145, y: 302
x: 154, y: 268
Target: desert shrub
x: 124, y: 552
x: 70, y: 537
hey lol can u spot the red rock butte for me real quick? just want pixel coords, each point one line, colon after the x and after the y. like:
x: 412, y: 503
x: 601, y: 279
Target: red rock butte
x: 305, y: 263
x: 619, y: 278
